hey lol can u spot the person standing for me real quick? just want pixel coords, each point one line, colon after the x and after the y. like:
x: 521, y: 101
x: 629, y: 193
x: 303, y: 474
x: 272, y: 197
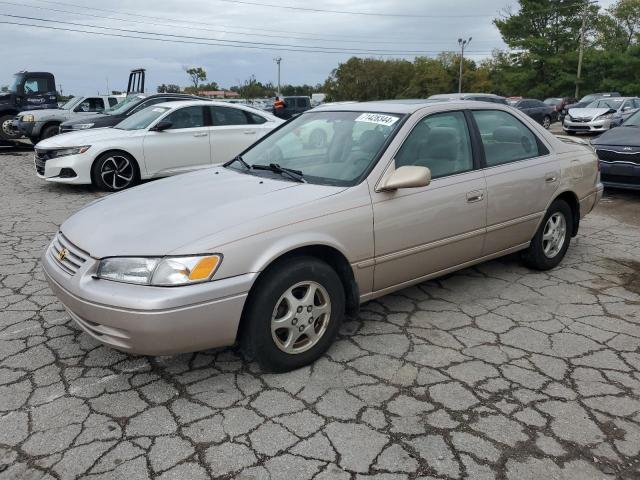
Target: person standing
x: 278, y: 107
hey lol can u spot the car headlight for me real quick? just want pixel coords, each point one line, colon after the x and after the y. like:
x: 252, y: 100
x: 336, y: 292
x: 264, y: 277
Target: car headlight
x: 28, y: 118
x: 63, y: 152
x: 82, y: 126
x: 605, y: 116
x: 160, y: 272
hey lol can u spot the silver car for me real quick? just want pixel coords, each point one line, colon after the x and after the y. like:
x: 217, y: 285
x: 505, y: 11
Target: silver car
x: 600, y: 115
x: 273, y: 248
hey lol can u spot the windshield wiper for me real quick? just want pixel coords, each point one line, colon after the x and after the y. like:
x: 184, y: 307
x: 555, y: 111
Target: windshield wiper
x: 238, y: 159
x: 296, y: 175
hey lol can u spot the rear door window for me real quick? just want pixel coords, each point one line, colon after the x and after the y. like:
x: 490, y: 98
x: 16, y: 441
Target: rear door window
x: 227, y: 116
x: 505, y: 138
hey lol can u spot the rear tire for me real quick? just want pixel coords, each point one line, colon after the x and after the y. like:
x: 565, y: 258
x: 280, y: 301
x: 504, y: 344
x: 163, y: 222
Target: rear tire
x: 551, y: 241
x: 293, y: 314
x: 114, y: 171
x: 546, y: 122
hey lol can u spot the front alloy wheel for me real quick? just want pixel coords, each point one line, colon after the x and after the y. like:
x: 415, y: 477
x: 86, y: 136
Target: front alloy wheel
x: 293, y: 313
x: 546, y: 122
x: 301, y: 317
x: 114, y: 171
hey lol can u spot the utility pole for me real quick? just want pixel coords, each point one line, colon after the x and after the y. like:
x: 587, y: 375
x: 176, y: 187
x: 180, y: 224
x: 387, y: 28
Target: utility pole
x: 583, y: 29
x: 463, y: 44
x: 60, y: 88
x: 278, y: 60
x: 108, y: 92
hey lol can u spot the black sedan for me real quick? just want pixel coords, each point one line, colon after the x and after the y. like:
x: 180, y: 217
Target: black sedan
x: 619, y: 152
x: 129, y: 106
x: 542, y: 113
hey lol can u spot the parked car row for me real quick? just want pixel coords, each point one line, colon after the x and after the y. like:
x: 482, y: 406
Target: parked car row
x: 272, y: 248
x: 600, y: 115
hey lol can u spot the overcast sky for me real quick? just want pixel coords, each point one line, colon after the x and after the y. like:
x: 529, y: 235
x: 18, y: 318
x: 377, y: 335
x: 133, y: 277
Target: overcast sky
x: 83, y: 62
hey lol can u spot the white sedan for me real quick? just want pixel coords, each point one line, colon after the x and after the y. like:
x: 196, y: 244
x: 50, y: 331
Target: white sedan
x: 162, y: 140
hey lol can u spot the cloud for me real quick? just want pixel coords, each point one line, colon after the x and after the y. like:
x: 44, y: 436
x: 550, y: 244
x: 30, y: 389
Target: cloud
x: 82, y: 62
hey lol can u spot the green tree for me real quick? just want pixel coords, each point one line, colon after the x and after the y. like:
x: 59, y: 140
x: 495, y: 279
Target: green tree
x: 197, y: 75
x: 170, y: 88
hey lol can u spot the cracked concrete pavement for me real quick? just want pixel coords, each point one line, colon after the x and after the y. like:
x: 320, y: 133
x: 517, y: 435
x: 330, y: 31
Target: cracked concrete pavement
x: 493, y: 372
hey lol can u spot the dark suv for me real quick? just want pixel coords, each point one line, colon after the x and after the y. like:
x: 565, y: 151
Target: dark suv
x: 294, y: 106
x: 132, y: 104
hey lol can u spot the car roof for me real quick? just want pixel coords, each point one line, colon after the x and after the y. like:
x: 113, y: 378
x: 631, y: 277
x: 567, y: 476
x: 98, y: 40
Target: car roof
x: 187, y: 103
x: 462, y: 95
x: 395, y: 106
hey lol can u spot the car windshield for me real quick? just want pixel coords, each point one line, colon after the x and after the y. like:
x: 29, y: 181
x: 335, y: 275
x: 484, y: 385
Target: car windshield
x: 553, y: 101
x: 331, y: 148
x: 633, y: 120
x: 606, y: 103
x: 124, y: 105
x: 142, y: 119
x: 69, y: 104
x: 17, y: 80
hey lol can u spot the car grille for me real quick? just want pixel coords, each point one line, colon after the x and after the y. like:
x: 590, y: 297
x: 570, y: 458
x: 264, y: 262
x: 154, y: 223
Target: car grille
x: 579, y: 120
x: 40, y: 158
x: 72, y: 259
x: 578, y: 127
x: 617, y: 156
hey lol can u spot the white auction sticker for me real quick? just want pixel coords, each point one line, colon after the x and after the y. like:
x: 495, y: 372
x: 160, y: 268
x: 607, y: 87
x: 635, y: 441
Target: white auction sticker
x: 378, y: 118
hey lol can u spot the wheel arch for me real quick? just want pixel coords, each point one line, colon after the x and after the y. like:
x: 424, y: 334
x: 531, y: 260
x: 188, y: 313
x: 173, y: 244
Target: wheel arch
x: 572, y: 200
x: 324, y: 252
x: 47, y: 124
x: 136, y: 164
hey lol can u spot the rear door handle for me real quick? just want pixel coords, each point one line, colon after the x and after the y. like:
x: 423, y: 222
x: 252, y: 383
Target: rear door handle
x: 249, y: 132
x: 204, y: 134
x: 475, y: 196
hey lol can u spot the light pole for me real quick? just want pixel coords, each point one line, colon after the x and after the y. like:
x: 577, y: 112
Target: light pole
x: 463, y: 44
x: 278, y: 60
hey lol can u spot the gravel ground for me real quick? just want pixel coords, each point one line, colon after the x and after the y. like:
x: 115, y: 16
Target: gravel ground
x: 493, y: 372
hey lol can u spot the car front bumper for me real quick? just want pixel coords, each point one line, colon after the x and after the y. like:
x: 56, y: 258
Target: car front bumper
x: 592, y: 126
x: 149, y: 320
x: 28, y: 129
x: 51, y: 169
x: 620, y: 174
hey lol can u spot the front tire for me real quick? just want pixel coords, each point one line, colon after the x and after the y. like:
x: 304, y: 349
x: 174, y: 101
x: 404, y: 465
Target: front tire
x: 546, y: 122
x: 6, y: 131
x: 293, y: 314
x: 551, y: 241
x: 114, y: 171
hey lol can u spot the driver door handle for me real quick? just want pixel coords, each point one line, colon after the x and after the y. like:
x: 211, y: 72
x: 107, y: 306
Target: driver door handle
x: 249, y: 132
x: 203, y: 134
x: 475, y: 196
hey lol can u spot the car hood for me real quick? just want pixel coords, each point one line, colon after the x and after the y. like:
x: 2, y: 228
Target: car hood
x: 160, y: 217
x: 42, y: 112
x: 588, y: 112
x: 99, y: 120
x: 86, y: 137
x: 622, y: 136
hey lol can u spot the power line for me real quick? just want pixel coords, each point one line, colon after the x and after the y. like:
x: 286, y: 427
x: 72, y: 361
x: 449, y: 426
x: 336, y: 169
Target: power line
x: 173, y: 24
x: 171, y: 40
x: 348, y: 12
x: 226, y: 42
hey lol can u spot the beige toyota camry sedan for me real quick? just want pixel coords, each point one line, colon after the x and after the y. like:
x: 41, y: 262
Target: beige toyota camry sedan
x: 273, y: 248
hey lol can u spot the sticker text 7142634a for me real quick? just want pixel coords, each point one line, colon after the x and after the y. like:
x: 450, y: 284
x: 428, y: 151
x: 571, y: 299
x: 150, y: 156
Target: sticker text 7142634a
x: 379, y: 118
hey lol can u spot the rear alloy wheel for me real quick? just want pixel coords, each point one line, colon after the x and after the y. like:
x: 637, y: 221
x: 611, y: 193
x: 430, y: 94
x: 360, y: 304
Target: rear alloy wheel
x: 546, y: 122
x: 7, y: 132
x: 293, y: 314
x: 552, y: 239
x: 114, y: 171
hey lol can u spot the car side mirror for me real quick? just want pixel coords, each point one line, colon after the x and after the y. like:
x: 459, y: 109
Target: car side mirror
x: 409, y: 176
x: 162, y: 125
